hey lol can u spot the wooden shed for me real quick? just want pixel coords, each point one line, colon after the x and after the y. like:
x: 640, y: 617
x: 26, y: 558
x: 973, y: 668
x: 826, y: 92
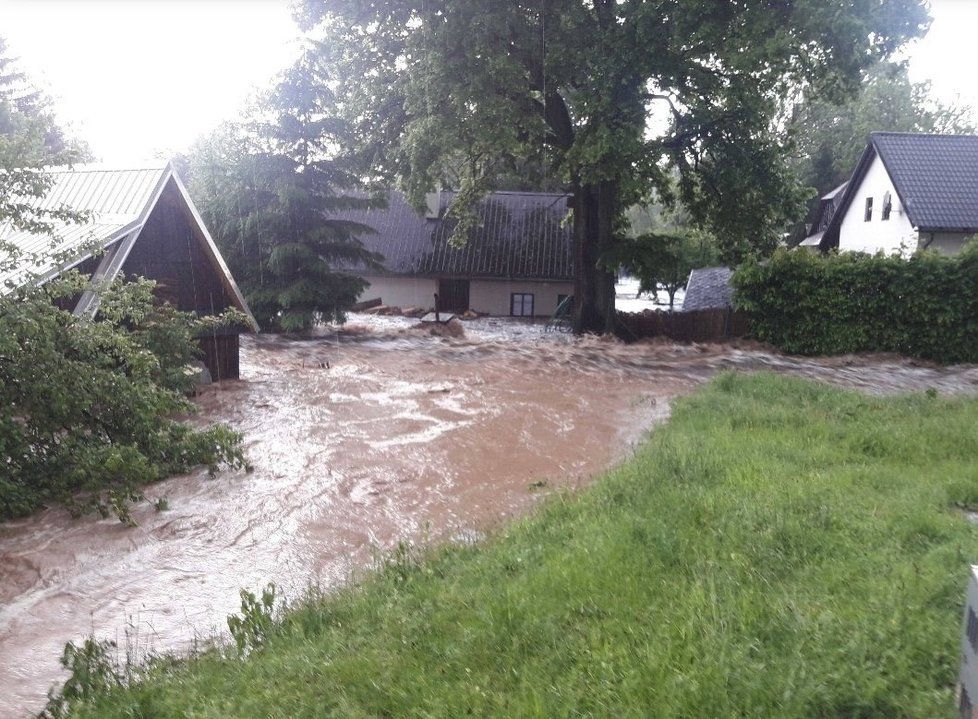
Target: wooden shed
x: 147, y: 225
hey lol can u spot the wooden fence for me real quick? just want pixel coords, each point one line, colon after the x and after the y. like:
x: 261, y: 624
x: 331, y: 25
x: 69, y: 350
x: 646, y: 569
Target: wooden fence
x: 691, y: 326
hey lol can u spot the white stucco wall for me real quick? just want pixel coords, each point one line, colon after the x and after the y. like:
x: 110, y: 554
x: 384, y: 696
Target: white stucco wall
x: 493, y: 296
x: 890, y: 236
x: 947, y: 243
x: 485, y: 296
x: 401, y: 291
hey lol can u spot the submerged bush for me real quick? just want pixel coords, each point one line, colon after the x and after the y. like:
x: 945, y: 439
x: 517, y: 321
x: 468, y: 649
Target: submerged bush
x: 813, y: 304
x: 88, y: 406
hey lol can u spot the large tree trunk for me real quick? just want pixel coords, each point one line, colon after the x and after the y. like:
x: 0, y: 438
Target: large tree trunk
x: 595, y: 209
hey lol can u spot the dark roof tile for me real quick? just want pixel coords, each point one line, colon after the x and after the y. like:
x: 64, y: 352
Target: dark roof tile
x: 936, y: 177
x: 518, y: 235
x: 708, y: 288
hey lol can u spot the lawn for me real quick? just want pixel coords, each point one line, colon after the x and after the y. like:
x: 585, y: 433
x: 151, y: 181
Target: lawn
x: 779, y: 549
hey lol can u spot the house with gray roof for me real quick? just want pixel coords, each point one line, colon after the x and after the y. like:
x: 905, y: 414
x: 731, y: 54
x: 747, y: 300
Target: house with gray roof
x: 909, y: 191
x: 136, y: 221
x: 517, y: 260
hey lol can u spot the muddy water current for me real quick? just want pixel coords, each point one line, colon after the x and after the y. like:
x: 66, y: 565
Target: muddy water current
x: 358, y: 440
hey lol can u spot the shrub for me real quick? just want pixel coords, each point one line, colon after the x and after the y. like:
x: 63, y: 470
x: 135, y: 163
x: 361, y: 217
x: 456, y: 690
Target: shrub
x: 804, y: 303
x: 88, y: 406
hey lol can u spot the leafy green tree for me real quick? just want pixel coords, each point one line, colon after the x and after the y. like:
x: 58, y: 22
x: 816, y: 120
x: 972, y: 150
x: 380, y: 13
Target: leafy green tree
x: 30, y: 137
x: 662, y: 247
x: 614, y: 94
x: 86, y: 404
x: 272, y: 188
x: 663, y: 260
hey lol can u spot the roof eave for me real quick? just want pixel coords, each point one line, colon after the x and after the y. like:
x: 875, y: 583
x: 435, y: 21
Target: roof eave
x: 962, y: 230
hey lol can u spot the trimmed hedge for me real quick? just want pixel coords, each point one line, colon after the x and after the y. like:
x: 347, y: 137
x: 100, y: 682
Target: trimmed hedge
x: 811, y: 304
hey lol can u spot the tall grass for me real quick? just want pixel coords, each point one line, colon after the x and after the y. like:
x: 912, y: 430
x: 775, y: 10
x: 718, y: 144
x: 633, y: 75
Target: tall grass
x: 779, y: 549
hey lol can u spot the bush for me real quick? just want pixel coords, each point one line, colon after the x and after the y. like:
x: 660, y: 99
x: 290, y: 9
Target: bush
x: 87, y: 406
x: 805, y: 303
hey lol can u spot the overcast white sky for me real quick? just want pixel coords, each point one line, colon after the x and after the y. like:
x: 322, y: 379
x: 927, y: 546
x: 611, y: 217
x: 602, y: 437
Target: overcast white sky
x: 137, y: 78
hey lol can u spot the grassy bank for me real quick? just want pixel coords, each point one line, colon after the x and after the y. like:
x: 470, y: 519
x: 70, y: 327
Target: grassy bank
x: 779, y: 549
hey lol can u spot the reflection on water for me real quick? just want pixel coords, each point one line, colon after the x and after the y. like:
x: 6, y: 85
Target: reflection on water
x: 358, y: 439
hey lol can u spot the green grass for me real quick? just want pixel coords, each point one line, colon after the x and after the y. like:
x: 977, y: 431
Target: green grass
x: 779, y: 549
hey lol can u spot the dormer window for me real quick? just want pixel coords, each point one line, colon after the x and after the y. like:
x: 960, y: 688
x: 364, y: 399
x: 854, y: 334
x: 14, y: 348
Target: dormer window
x: 868, y: 216
x: 887, y: 206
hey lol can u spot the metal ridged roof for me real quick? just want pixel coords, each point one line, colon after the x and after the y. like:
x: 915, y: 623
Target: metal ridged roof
x: 518, y: 235
x: 117, y: 200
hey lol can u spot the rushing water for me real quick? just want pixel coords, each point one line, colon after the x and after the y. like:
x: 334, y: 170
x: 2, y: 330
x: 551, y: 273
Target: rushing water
x: 357, y: 441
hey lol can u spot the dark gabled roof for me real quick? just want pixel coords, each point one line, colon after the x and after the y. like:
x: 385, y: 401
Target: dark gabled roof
x: 935, y: 177
x: 708, y: 288
x: 519, y: 235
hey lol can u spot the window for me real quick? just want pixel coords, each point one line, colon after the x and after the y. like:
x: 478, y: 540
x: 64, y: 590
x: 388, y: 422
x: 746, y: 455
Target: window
x: 887, y: 207
x: 521, y: 304
x: 869, y: 210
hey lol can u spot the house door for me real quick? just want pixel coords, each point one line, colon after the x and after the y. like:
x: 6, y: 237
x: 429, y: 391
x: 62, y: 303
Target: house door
x: 453, y: 296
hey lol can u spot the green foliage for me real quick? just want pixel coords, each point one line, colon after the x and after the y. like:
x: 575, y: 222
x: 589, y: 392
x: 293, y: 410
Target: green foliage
x: 252, y: 627
x: 85, y: 404
x: 664, y: 260
x: 92, y: 671
x: 662, y: 246
x: 30, y: 138
x: 615, y: 97
x: 808, y: 303
x: 779, y: 549
x: 270, y: 190
x: 831, y: 136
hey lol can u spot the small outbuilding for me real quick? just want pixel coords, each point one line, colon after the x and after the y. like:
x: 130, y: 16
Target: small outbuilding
x: 709, y: 288
x: 145, y: 224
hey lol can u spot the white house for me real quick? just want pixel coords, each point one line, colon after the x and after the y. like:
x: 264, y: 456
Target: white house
x: 908, y: 192
x: 518, y: 259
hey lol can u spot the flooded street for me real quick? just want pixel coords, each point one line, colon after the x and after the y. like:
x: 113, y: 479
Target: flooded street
x: 357, y: 440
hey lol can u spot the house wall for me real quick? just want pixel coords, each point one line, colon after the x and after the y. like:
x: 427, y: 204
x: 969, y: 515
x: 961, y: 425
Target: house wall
x: 485, y: 296
x: 947, y: 243
x: 890, y: 236
x: 401, y: 291
x: 493, y: 296
x: 169, y: 251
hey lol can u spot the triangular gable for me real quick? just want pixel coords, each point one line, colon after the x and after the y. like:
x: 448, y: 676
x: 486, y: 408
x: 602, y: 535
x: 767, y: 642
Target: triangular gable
x: 120, y: 202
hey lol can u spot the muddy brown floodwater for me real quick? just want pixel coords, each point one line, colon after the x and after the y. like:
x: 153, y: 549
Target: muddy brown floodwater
x: 357, y: 441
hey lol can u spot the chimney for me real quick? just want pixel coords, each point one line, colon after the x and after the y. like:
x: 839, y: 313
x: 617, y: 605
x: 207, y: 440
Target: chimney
x: 432, y: 201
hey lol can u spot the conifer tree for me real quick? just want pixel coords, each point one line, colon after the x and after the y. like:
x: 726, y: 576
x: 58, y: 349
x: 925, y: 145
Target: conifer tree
x: 273, y: 189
